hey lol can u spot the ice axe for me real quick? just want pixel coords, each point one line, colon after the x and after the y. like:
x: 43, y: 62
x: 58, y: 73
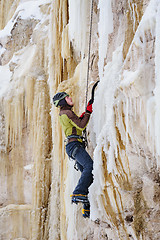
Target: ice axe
x: 90, y: 102
x: 93, y: 90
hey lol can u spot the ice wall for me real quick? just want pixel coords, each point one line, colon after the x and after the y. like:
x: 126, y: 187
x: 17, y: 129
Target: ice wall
x: 44, y: 49
x: 7, y: 9
x: 25, y: 112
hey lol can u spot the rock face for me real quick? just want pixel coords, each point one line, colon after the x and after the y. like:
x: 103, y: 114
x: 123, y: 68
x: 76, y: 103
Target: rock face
x: 44, y: 49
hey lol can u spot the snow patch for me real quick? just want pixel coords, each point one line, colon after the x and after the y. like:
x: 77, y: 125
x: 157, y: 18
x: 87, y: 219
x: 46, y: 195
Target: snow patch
x: 25, y: 10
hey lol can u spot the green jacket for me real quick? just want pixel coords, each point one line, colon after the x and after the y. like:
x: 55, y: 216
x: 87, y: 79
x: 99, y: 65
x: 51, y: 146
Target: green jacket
x: 71, y: 123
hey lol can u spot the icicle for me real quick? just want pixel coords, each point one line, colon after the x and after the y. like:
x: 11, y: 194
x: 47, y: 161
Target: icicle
x: 157, y: 88
x: 78, y: 25
x: 105, y: 27
x: 127, y: 119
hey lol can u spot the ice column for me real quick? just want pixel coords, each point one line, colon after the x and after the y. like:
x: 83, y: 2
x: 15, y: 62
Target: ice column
x: 105, y: 27
x: 78, y: 24
x: 157, y: 81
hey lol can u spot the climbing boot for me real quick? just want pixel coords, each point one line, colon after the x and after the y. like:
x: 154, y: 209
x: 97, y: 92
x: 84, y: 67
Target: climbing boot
x: 86, y: 210
x: 76, y: 198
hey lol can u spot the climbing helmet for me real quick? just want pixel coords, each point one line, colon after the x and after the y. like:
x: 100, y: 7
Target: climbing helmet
x: 59, y: 96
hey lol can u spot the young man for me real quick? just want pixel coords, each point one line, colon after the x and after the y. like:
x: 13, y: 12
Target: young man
x: 73, y: 127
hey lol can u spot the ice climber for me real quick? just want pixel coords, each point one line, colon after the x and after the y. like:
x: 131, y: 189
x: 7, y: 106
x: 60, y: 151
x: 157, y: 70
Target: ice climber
x: 73, y: 127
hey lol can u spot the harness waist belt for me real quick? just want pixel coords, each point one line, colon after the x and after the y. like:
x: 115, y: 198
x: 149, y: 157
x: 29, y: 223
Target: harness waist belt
x: 74, y: 136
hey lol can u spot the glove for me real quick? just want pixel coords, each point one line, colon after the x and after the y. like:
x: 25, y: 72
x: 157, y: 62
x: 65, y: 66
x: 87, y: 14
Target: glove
x: 89, y: 106
x: 82, y: 115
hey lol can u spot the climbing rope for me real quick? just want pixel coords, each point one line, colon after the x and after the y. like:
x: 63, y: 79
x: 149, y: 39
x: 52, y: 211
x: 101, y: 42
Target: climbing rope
x: 89, y: 51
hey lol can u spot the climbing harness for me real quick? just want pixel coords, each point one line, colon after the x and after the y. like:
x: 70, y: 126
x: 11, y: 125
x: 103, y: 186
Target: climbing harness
x: 89, y: 51
x: 74, y: 136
